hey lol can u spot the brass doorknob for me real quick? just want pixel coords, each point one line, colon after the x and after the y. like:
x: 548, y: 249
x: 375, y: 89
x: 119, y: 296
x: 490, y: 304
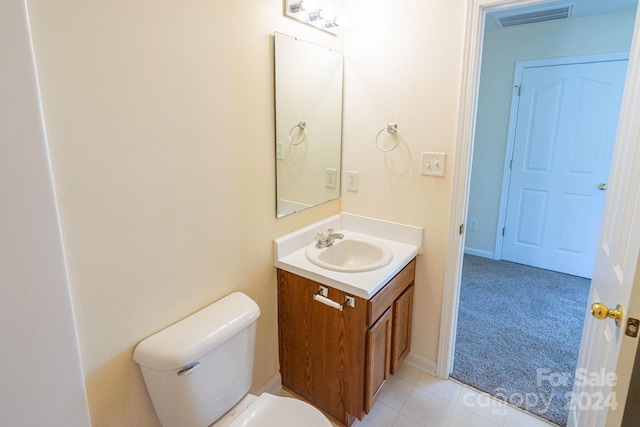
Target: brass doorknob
x: 601, y: 311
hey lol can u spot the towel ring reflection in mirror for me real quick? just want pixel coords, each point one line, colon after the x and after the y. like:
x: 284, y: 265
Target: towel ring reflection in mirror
x: 300, y: 128
x: 392, y: 130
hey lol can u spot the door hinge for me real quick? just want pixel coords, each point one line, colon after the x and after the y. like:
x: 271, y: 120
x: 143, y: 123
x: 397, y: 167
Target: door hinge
x: 511, y: 164
x: 503, y: 231
x: 461, y: 229
x: 519, y: 89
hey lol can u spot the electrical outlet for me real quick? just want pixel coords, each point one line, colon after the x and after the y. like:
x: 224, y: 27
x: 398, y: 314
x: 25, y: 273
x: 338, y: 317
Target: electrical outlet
x: 433, y: 164
x: 330, y: 178
x: 353, y: 181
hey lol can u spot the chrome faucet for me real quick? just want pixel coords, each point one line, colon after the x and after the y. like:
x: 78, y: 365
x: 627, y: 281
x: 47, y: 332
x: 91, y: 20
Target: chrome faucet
x: 323, y: 241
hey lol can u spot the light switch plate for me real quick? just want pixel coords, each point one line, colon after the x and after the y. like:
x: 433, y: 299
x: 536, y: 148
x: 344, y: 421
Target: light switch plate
x: 279, y: 150
x: 433, y: 164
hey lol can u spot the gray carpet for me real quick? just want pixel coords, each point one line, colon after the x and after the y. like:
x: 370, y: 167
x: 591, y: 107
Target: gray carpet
x: 518, y: 335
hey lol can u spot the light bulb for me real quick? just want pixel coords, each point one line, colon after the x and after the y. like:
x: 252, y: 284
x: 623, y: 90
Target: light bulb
x: 328, y: 13
x: 309, y: 5
x: 342, y: 20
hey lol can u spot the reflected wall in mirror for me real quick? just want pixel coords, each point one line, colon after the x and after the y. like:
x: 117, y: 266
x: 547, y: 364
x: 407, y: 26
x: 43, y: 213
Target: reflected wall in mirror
x: 308, y: 92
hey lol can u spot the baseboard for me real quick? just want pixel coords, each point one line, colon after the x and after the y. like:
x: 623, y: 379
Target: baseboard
x: 421, y: 363
x: 274, y: 384
x: 478, y: 252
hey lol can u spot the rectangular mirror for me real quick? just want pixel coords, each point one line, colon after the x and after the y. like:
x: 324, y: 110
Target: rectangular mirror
x: 308, y: 102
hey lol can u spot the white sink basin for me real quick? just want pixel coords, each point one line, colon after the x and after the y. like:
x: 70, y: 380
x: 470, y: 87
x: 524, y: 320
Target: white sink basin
x: 350, y: 255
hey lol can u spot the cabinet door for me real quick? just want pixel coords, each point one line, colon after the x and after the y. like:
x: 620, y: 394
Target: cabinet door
x: 322, y: 349
x: 402, y: 314
x: 378, y: 358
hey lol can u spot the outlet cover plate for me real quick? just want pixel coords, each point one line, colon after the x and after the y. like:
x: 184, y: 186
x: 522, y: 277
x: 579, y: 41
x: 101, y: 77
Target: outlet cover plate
x: 331, y: 178
x: 353, y: 181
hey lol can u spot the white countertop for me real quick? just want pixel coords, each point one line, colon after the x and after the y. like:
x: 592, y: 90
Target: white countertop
x: 405, y: 242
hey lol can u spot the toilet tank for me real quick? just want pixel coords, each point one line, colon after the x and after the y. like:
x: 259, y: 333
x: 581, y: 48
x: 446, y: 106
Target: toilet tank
x: 200, y: 367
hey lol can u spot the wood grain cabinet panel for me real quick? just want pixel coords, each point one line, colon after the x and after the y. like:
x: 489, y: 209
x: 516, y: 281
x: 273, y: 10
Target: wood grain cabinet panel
x: 320, y: 346
x: 402, y: 314
x: 337, y: 360
x: 378, y: 365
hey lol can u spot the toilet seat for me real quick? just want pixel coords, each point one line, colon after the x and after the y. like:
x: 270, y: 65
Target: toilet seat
x: 269, y: 410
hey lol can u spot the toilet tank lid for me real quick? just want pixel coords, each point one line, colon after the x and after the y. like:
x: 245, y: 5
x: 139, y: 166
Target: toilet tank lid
x: 189, y: 339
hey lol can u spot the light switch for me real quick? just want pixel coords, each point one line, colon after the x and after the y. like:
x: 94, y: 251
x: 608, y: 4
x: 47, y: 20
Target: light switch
x: 279, y: 150
x: 433, y: 164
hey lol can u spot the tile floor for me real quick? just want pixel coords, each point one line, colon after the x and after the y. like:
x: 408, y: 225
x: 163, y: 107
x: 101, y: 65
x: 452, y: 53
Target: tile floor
x: 414, y: 398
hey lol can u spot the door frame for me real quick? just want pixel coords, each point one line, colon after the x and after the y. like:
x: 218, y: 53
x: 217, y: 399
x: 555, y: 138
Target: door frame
x: 513, y: 114
x: 470, y: 84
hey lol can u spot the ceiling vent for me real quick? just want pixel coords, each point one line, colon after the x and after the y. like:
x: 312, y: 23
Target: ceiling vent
x: 533, y: 16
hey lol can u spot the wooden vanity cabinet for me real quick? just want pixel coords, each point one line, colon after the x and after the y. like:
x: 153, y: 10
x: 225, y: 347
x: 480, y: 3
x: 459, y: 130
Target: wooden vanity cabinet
x: 340, y: 361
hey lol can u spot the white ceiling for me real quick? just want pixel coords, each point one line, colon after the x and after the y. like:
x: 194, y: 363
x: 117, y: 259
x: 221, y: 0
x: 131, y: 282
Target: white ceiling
x: 581, y: 8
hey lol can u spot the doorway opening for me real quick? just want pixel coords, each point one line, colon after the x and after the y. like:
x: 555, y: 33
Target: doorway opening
x: 483, y: 238
x: 515, y: 342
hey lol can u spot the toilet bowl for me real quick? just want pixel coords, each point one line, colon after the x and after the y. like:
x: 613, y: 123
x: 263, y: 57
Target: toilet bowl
x: 268, y: 410
x: 198, y: 372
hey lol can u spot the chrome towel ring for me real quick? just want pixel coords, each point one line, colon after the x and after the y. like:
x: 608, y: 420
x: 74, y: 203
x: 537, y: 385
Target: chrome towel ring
x: 392, y: 129
x: 299, y: 128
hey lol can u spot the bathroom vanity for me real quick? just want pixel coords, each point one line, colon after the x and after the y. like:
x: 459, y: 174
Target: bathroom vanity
x: 343, y: 334
x: 341, y: 360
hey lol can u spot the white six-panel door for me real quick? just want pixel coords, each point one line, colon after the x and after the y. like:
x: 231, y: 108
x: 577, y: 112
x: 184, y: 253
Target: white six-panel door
x: 563, y: 141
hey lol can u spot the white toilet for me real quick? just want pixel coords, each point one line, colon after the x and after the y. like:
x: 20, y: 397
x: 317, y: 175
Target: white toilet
x: 199, y: 370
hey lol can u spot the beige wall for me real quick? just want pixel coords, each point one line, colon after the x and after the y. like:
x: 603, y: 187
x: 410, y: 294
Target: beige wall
x: 403, y: 65
x: 160, y: 121
x: 161, y: 129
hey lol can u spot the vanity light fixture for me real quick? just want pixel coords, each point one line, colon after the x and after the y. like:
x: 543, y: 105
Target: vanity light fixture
x: 315, y: 13
x: 323, y: 14
x: 301, y: 6
x: 335, y: 22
